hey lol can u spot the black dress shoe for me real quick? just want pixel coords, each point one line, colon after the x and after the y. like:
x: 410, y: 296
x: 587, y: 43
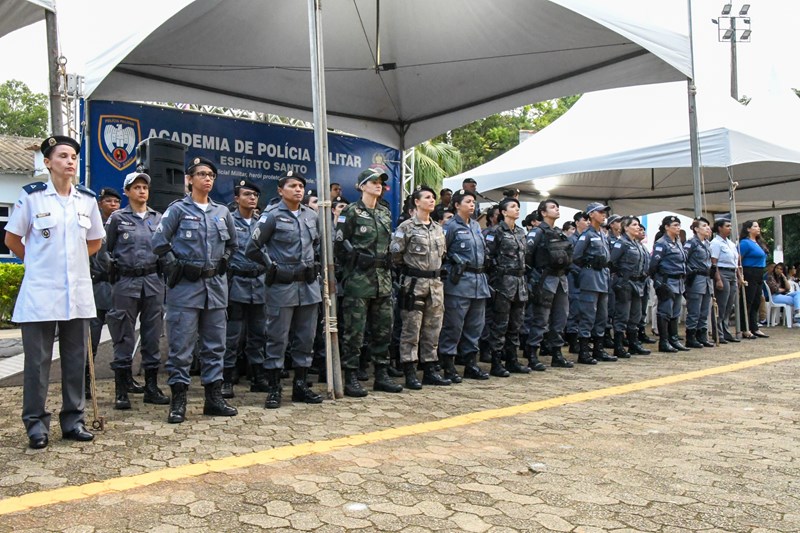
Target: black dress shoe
x: 760, y: 334
x: 731, y: 338
x: 37, y: 442
x: 79, y: 433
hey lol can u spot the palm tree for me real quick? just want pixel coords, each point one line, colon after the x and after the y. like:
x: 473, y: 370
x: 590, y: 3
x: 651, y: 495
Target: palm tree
x: 433, y: 161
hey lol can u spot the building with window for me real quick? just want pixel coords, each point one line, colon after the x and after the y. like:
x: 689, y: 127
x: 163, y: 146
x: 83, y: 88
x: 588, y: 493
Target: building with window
x: 18, y: 167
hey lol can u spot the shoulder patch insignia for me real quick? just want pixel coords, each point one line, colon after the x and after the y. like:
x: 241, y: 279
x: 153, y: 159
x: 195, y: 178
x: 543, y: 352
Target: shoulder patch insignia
x: 582, y: 238
x: 659, y: 248
x: 341, y: 219
x: 399, y: 234
x: 490, y: 237
x: 617, y: 244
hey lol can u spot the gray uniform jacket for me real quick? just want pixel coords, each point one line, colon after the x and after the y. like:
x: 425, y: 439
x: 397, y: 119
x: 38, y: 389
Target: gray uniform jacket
x: 630, y: 261
x: 101, y: 288
x: 465, y: 245
x: 200, y: 238
x: 668, y: 264
x: 245, y: 276
x: 290, y: 243
x: 698, y: 266
x: 534, y: 241
x: 591, y: 251
x: 505, y: 257
x: 129, y: 240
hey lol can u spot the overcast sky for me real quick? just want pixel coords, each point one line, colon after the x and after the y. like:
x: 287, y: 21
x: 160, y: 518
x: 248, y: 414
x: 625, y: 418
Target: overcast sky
x: 771, y: 57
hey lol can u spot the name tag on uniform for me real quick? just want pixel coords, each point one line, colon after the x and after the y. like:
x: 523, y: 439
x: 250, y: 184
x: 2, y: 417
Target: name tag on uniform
x: 596, y: 239
x: 189, y: 217
x: 462, y: 232
x: 284, y: 219
x: 42, y: 215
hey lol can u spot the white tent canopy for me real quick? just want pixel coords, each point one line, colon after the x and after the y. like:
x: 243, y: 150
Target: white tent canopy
x: 16, y: 14
x: 444, y: 62
x: 630, y: 147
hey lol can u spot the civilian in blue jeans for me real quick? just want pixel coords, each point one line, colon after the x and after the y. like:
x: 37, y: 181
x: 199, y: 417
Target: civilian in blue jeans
x: 781, y: 290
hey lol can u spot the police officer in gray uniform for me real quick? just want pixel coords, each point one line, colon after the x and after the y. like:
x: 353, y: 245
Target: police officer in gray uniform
x: 286, y: 241
x: 246, y: 296
x: 699, y: 284
x: 668, y: 269
x: 629, y: 263
x: 613, y: 231
x: 466, y: 290
x: 549, y: 255
x: 138, y: 290
x: 592, y: 255
x: 581, y: 220
x: 196, y: 239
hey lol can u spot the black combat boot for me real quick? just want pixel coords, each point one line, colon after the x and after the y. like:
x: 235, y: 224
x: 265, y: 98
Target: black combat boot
x: 121, y: 400
x: 227, y: 383
x: 634, y: 347
x: 352, y: 387
x: 273, y: 400
x: 363, y: 365
x: 152, y: 394
x: 498, y: 370
x: 663, y: 336
x: 702, y: 338
x: 619, y: 347
x: 410, y: 371
x: 301, y: 392
x: 258, y: 379
x: 572, y: 342
x: 608, y: 339
x: 599, y: 353
x: 513, y: 365
x: 215, y: 404
x: 431, y: 376
x: 395, y: 369
x: 691, y: 339
x: 177, y: 407
x: 383, y: 382
x: 449, y: 366
x: 585, y: 353
x: 88, y: 382
x: 472, y: 370
x: 486, y: 352
x: 643, y: 338
x: 673, y: 338
x: 134, y: 387
x: 558, y: 360
x: 533, y: 360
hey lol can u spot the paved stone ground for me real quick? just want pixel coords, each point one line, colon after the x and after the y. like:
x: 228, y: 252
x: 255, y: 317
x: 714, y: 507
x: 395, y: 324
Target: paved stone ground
x: 717, y: 453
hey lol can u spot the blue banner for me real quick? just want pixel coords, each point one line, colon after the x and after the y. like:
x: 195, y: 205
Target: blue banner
x: 242, y: 149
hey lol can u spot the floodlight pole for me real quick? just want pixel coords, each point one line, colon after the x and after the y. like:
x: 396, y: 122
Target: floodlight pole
x: 694, y: 142
x: 332, y: 361
x: 734, y: 65
x: 56, y: 116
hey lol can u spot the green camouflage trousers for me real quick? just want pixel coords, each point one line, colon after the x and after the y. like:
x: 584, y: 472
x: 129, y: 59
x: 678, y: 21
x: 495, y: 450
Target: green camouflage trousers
x: 354, y: 322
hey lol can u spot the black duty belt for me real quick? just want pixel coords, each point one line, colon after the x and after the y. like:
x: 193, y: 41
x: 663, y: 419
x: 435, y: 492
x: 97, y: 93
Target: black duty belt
x: 416, y: 273
x: 253, y: 273
x: 138, y: 272
x: 511, y: 271
x: 727, y: 269
x: 676, y: 276
x: 209, y: 273
x: 475, y: 270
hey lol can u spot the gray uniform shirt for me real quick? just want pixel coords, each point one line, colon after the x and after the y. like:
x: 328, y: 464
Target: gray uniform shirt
x: 464, y: 243
x: 592, y: 244
x: 290, y: 242
x: 535, y: 239
x: 200, y: 238
x: 129, y: 240
x: 667, y: 262
x: 248, y: 290
x: 698, y: 265
x: 630, y: 260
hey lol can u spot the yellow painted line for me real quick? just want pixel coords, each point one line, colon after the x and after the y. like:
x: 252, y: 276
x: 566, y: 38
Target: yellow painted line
x: 286, y: 453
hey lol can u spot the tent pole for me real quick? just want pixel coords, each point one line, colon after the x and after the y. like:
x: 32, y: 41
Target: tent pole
x: 332, y: 362
x: 693, y: 140
x: 777, y: 225
x: 735, y: 238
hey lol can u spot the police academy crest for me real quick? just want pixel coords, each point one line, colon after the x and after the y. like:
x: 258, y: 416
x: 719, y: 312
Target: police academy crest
x: 118, y: 137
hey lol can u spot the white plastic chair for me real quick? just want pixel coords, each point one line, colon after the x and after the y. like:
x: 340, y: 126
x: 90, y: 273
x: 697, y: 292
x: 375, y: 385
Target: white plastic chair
x: 774, y: 310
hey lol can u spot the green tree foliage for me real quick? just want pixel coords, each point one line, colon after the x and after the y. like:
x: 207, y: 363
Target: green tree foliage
x: 22, y: 112
x: 485, y: 139
x: 435, y: 160
x: 791, y: 237
x: 10, y: 281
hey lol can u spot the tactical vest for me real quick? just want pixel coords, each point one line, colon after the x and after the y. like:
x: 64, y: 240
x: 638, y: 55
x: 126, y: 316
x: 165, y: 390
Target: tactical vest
x: 555, y: 254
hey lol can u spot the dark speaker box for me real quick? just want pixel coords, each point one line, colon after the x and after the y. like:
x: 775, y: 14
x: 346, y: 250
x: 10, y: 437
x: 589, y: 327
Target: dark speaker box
x: 163, y: 160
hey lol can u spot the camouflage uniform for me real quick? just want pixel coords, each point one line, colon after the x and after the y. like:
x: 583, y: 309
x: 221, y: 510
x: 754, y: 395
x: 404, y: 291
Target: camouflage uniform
x: 419, y: 249
x: 366, y: 281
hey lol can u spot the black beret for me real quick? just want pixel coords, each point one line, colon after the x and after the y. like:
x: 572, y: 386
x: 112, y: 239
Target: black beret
x: 469, y: 180
x: 245, y: 184
x: 291, y: 174
x: 198, y: 161
x: 505, y: 201
x: 669, y: 219
x: 55, y: 140
x: 109, y: 191
x: 423, y: 188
